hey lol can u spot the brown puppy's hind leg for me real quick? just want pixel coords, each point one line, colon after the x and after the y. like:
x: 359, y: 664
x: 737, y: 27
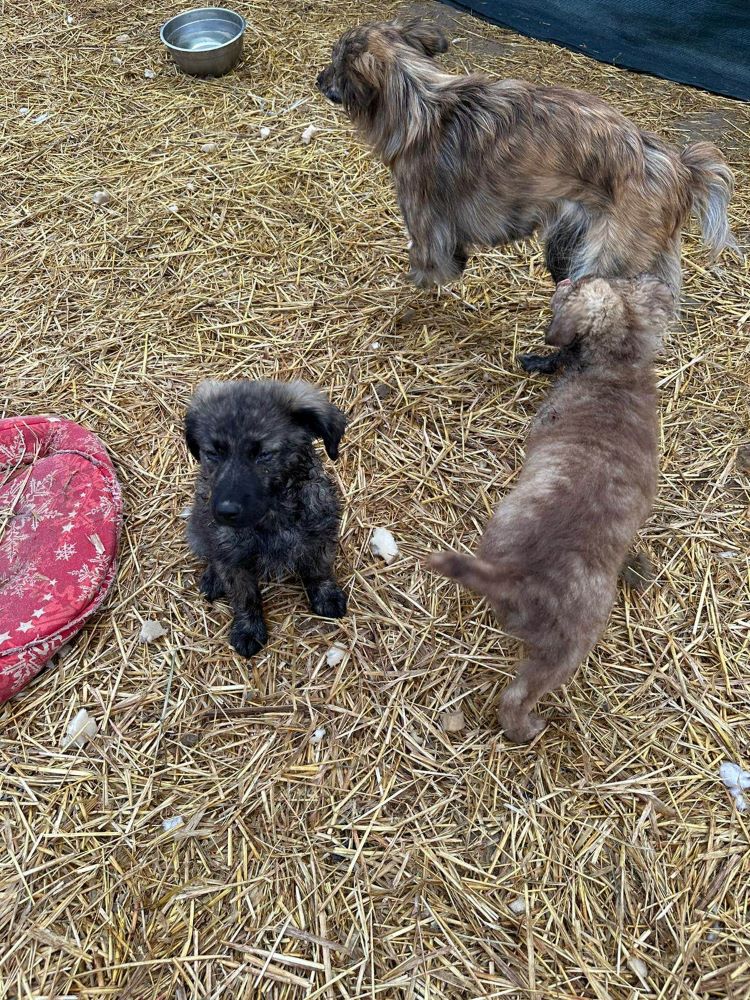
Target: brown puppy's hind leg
x: 539, y: 673
x: 638, y: 571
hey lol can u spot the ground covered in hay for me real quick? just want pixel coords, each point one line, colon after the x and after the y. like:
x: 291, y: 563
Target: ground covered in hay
x: 388, y: 858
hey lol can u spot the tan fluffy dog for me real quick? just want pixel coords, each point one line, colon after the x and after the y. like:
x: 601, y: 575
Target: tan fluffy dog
x: 480, y: 162
x: 550, y: 557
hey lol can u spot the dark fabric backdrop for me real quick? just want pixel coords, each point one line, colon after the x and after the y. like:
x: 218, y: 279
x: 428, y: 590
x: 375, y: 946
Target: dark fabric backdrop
x: 705, y: 43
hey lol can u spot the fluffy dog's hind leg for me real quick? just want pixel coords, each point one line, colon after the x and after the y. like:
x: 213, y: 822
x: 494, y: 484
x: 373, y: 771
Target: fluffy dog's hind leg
x: 561, y: 241
x: 666, y: 267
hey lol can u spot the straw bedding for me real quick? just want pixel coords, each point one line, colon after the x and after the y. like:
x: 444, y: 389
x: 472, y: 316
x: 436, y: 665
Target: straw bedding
x: 384, y: 857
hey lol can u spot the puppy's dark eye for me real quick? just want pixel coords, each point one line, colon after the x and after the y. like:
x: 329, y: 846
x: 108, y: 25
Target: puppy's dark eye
x: 264, y: 457
x: 215, y: 452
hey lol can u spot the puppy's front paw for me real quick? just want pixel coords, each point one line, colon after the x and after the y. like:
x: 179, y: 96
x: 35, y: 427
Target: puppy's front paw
x: 211, y: 586
x: 427, y: 271
x: 431, y: 276
x: 248, y: 635
x: 328, y: 601
x: 423, y: 279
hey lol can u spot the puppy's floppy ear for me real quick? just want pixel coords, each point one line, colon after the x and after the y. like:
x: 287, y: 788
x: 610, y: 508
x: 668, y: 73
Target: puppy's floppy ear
x: 191, y: 436
x: 310, y: 409
x: 592, y: 306
x: 423, y: 37
x: 562, y: 330
x: 204, y: 391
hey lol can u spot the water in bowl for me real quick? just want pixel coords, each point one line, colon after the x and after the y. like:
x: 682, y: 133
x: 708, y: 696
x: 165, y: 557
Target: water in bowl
x: 200, y: 36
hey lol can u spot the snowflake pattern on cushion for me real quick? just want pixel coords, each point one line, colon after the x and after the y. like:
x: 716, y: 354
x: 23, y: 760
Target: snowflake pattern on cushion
x: 60, y: 522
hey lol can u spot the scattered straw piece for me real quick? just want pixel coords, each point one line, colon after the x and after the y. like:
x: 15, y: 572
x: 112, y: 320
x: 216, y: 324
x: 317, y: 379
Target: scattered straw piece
x: 81, y: 728
x: 383, y: 544
x: 151, y: 630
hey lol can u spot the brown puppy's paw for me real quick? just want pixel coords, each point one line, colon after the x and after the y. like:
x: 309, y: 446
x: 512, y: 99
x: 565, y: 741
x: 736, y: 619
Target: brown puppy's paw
x: 248, y: 635
x: 521, y: 729
x: 211, y: 586
x: 638, y: 571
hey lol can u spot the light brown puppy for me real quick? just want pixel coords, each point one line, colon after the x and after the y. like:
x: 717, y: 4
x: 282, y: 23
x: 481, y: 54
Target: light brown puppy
x: 480, y: 162
x: 550, y: 557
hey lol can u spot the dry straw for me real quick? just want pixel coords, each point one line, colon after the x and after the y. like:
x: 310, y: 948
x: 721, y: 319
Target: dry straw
x: 387, y: 858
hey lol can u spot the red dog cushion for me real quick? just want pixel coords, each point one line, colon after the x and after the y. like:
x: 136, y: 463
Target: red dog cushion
x: 60, y: 519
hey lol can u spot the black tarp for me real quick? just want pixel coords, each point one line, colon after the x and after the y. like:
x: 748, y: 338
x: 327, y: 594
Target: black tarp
x: 705, y: 43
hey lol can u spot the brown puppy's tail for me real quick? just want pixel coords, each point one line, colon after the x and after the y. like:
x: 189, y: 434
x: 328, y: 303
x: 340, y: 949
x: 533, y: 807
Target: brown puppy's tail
x: 712, y: 188
x: 476, y: 574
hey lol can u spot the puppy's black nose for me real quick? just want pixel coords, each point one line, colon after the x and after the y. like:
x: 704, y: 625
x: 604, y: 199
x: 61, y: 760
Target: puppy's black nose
x: 227, y: 511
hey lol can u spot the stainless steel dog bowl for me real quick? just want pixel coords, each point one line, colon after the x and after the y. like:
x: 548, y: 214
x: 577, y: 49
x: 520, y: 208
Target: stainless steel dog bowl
x: 206, y: 41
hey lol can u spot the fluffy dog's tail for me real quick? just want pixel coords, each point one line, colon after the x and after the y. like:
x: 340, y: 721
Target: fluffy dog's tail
x: 711, y: 190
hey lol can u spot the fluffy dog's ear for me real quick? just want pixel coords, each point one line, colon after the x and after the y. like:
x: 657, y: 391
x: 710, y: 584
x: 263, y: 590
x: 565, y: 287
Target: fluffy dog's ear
x: 310, y: 409
x: 359, y: 84
x: 424, y: 37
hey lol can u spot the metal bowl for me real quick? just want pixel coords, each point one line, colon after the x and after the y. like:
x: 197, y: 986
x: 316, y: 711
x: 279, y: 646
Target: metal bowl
x: 206, y: 41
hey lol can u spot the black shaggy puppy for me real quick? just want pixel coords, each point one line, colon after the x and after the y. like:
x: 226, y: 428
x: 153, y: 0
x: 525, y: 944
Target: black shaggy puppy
x: 264, y: 507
